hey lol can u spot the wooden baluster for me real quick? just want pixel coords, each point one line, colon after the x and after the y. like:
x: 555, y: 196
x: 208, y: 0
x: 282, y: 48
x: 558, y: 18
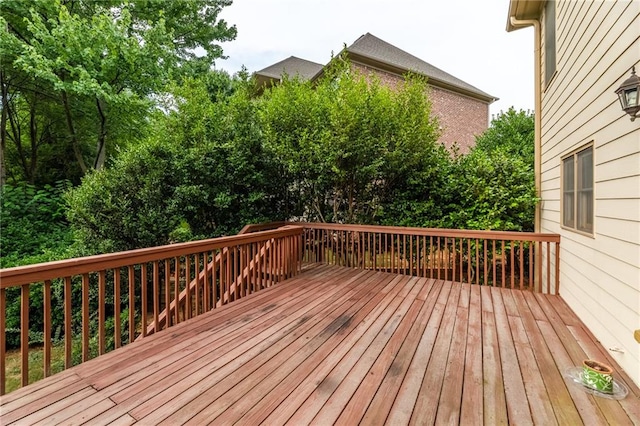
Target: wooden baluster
x: 317, y: 246
x: 411, y: 262
x: 521, y: 263
x: 116, y: 308
x: 227, y: 275
x: 132, y: 303
x: 450, y: 252
x: 261, y: 265
x: 196, y: 278
x: 372, y: 241
x: 85, y: 317
x: 493, y: 256
x: 3, y: 341
x: 431, y: 255
x: 250, y: 269
x: 101, y: 311
x: 167, y: 293
x: 462, y: 260
x: 530, y: 257
x: 67, y: 322
x: 47, y: 328
x: 394, y: 241
x: 216, y: 272
x: 280, y: 261
x: 469, y: 262
x: 477, y: 281
x: 539, y: 267
x: 156, y: 295
x: 208, y: 276
x: 426, y: 258
x: 24, y: 335
x: 485, y: 278
x: 557, y: 290
x: 143, y: 294
x: 512, y: 264
x: 187, y: 281
x: 177, y: 274
x: 438, y: 255
x: 504, y: 266
x: 548, y: 256
x: 417, y: 262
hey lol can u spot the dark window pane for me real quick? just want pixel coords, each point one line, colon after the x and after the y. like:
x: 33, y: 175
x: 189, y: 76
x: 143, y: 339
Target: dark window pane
x: 585, y: 190
x: 549, y: 40
x: 568, y: 191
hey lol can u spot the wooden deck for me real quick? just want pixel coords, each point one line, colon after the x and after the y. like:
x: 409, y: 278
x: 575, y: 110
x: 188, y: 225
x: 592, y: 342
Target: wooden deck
x: 338, y: 345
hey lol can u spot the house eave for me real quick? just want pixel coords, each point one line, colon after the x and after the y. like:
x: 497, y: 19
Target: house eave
x: 366, y: 60
x: 523, y: 10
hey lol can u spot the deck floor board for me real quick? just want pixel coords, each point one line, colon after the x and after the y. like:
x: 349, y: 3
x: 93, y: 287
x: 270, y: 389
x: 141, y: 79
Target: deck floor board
x: 336, y: 345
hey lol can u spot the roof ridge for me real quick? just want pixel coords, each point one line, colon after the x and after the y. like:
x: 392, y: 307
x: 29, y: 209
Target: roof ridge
x: 377, y: 49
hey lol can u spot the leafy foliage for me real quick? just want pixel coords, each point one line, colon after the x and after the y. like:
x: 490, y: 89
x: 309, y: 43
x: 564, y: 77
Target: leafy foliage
x: 493, y: 186
x: 205, y: 173
x: 33, y: 227
x: 82, y: 77
x: 351, y: 147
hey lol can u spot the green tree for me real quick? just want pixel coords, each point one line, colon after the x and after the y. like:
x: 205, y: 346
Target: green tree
x: 352, y: 149
x: 205, y: 172
x: 97, y: 65
x: 512, y: 132
x: 493, y: 186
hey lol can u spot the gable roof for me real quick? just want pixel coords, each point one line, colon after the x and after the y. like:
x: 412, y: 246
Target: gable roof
x: 371, y: 50
x: 292, y: 66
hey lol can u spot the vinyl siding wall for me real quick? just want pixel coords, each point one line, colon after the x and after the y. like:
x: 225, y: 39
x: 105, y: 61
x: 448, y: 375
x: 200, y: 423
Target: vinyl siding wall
x: 597, y: 43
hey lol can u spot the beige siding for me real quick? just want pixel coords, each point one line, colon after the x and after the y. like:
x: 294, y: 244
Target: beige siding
x: 597, y: 44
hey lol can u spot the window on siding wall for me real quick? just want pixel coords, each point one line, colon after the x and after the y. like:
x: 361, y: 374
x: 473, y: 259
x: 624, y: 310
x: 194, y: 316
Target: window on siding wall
x: 549, y: 40
x: 577, y: 190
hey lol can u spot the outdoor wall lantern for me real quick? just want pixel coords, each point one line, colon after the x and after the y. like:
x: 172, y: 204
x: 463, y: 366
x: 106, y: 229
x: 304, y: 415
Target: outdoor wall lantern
x: 628, y: 93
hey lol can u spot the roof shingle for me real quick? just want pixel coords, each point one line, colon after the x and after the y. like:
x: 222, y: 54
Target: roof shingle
x: 371, y: 47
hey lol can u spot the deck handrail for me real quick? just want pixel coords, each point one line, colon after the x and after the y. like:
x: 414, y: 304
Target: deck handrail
x: 441, y: 232
x: 10, y: 277
x: 162, y: 286
x: 171, y: 283
x: 498, y: 258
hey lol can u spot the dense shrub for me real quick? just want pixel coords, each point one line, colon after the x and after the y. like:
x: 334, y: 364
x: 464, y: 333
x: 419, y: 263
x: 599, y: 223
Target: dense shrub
x: 33, y: 227
x: 491, y: 191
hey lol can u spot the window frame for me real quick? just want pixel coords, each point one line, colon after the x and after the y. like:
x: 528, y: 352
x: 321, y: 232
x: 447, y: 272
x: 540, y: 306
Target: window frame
x: 575, y: 191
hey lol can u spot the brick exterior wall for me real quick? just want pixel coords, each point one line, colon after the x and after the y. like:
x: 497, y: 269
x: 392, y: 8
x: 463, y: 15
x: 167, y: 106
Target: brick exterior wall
x: 461, y: 118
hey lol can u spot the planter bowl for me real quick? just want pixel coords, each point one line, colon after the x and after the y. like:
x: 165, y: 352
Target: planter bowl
x: 597, y: 375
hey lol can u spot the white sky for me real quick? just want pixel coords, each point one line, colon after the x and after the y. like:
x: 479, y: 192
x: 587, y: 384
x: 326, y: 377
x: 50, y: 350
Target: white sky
x: 465, y: 38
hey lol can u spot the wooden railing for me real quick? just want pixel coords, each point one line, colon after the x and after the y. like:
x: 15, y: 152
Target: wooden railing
x: 119, y: 297
x: 94, y: 304
x: 504, y: 259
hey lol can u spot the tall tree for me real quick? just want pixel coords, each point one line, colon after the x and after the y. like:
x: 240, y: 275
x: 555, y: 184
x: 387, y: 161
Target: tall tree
x: 99, y: 65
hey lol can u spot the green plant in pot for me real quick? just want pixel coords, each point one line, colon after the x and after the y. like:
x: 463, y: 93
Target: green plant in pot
x: 597, y: 375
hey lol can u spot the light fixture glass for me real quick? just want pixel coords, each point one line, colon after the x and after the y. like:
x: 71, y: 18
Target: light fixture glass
x: 628, y: 94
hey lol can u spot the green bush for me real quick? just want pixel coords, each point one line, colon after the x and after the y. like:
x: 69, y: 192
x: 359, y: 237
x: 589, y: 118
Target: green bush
x: 33, y: 227
x: 131, y: 204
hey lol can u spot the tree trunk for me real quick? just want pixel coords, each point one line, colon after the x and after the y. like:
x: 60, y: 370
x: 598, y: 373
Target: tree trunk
x: 3, y: 129
x: 33, y: 138
x: 101, y: 148
x: 72, y: 132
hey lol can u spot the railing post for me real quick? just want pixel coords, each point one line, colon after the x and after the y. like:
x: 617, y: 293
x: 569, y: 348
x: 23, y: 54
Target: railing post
x: 24, y: 335
x: 557, y: 268
x: 46, y: 358
x: 3, y: 340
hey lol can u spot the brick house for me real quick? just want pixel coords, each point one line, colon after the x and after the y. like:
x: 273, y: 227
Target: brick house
x: 451, y: 98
